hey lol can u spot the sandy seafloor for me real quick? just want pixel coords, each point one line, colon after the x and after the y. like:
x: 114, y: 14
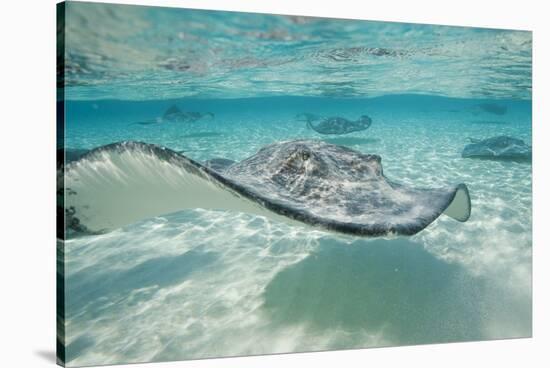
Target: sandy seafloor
x: 199, y: 283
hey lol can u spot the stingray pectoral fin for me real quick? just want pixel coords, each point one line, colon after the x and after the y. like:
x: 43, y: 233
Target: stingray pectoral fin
x: 460, y: 206
x: 122, y: 183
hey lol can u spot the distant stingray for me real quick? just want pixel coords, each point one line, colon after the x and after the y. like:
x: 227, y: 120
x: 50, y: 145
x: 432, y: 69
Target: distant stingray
x: 501, y: 148
x: 175, y: 114
x: 336, y: 124
x: 301, y: 182
x: 494, y: 108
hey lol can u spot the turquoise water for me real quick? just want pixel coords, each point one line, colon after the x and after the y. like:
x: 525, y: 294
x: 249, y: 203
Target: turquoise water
x: 208, y: 283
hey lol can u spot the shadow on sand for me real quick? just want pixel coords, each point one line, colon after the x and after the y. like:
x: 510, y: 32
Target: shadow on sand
x: 394, y: 286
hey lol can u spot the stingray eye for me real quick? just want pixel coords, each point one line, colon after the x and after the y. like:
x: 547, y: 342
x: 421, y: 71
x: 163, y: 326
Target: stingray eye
x: 305, y: 155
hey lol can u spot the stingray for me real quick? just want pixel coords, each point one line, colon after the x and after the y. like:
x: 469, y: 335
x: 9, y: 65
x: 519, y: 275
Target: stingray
x: 501, y: 148
x: 494, y: 108
x: 176, y: 115
x: 337, y: 125
x: 308, y: 183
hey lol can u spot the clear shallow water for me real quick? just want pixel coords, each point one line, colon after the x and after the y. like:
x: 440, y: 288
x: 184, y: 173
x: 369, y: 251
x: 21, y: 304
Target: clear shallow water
x: 184, y: 285
x: 198, y: 283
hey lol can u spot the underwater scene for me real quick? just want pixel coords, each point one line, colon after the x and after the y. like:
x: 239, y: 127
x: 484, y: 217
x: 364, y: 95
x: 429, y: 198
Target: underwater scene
x: 238, y: 184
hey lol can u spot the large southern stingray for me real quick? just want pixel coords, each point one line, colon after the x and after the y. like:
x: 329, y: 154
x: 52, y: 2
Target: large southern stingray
x: 335, y: 124
x: 502, y: 148
x: 175, y: 114
x: 303, y: 182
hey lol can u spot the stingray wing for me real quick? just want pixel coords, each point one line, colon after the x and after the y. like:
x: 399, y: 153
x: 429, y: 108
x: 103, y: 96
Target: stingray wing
x: 119, y: 184
x: 460, y: 206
